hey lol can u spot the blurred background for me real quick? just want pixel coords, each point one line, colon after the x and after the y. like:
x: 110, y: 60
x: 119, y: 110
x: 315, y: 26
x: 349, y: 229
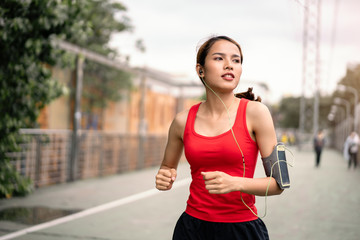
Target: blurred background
x: 89, y: 88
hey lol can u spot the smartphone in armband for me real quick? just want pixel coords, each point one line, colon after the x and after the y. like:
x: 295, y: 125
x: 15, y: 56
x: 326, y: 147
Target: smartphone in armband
x: 282, y: 165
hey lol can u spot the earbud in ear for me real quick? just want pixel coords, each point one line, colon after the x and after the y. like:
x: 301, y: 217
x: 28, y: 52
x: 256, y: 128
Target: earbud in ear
x: 200, y: 71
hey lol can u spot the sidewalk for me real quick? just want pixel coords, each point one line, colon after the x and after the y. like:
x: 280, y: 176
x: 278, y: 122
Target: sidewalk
x: 322, y: 203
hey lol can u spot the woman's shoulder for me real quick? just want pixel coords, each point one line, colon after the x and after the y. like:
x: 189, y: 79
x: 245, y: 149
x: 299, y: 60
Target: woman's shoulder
x: 181, y: 119
x: 257, y: 109
x: 258, y: 116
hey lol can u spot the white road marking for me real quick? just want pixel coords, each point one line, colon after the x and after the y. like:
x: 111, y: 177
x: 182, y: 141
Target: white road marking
x: 93, y: 210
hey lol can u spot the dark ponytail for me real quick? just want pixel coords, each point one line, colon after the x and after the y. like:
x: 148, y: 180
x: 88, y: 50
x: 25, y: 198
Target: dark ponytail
x: 248, y: 95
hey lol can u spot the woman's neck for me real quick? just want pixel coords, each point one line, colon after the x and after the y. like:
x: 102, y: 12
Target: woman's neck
x: 215, y: 106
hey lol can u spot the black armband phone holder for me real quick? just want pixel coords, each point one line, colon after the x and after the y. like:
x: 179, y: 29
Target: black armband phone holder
x: 275, y: 166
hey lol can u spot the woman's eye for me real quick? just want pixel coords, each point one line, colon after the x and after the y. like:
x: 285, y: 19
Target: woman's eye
x: 236, y: 60
x: 218, y: 58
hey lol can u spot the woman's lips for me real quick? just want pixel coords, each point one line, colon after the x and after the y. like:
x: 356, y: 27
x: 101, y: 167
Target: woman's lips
x: 228, y: 76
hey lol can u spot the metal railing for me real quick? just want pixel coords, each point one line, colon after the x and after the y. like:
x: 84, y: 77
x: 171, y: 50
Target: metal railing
x: 45, y: 154
x: 342, y: 130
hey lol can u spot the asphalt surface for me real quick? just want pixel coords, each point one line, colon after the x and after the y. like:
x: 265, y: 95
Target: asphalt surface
x: 322, y: 203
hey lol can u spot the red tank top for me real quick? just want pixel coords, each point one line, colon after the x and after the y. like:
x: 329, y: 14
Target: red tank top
x: 220, y: 153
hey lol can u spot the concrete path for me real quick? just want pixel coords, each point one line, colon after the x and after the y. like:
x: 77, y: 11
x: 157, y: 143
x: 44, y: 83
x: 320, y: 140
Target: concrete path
x: 322, y: 203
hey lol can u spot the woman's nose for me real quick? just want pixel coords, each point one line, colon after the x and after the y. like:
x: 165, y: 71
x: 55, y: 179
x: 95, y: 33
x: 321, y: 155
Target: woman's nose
x: 228, y: 66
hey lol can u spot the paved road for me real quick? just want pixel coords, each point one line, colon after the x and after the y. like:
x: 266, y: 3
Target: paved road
x: 322, y: 203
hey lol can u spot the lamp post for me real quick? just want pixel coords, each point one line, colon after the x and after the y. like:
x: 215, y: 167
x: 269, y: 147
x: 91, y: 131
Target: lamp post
x: 344, y: 88
x: 342, y: 101
x: 340, y: 133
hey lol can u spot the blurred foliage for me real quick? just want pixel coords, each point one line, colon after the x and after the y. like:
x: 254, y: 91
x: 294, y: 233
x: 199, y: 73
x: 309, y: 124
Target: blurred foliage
x: 27, y: 29
x: 12, y: 183
x: 351, y: 79
x: 287, y: 113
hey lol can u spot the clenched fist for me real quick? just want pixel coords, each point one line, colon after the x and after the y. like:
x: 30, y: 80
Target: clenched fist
x: 219, y: 182
x: 165, y: 178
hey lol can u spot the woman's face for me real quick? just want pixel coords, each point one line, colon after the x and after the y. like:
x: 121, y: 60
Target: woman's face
x: 223, y: 67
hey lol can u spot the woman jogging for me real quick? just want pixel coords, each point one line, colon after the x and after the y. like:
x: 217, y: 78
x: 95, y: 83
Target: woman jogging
x: 221, y: 138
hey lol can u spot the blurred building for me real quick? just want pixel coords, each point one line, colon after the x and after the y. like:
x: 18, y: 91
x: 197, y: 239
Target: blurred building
x: 165, y: 95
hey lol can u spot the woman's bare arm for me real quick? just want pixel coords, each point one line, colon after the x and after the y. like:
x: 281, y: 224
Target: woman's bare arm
x: 173, y: 151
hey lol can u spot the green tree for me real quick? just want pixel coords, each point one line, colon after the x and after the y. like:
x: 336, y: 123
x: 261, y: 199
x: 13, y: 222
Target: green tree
x: 27, y: 29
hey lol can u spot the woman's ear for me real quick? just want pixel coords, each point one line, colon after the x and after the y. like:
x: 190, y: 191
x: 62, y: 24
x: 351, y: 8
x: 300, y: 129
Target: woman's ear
x: 199, y: 70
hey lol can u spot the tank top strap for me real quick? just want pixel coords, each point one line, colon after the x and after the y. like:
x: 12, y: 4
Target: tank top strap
x: 242, y: 111
x: 241, y: 116
x: 191, y: 118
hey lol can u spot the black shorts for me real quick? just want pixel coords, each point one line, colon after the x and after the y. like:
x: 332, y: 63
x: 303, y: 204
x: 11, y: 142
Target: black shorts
x: 190, y: 228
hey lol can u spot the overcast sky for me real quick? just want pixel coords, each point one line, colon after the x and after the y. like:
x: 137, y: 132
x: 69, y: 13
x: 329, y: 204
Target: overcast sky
x: 269, y: 32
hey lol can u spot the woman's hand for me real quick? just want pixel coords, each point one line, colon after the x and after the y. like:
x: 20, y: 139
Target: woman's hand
x: 220, y: 182
x: 165, y: 178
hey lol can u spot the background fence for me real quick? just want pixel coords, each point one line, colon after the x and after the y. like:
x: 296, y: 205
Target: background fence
x: 45, y: 154
x: 342, y: 130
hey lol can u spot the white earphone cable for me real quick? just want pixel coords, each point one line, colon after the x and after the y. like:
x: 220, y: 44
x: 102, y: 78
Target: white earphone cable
x: 242, y: 154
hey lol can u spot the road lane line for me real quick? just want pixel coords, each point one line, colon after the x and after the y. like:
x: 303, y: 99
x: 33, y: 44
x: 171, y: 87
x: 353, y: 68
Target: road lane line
x: 90, y: 211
